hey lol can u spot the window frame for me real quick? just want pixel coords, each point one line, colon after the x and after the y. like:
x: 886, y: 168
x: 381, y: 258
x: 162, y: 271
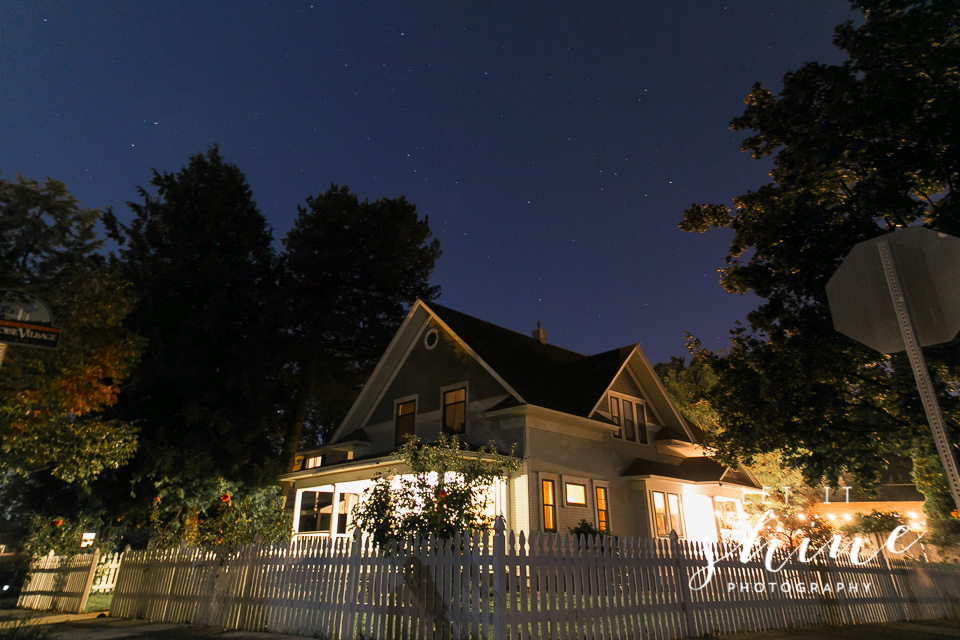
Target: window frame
x: 566, y: 494
x: 550, y: 507
x: 668, y: 514
x: 613, y: 402
x: 598, y: 488
x: 638, y: 411
x: 443, y: 406
x: 399, y: 402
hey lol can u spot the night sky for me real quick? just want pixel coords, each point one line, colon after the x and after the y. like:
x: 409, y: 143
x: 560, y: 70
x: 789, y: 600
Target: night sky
x: 553, y: 145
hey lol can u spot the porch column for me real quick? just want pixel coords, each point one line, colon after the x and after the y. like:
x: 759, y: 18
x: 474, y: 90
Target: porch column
x: 296, y: 511
x: 335, y: 511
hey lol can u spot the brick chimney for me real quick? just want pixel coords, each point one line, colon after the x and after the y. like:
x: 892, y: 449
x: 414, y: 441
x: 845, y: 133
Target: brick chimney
x: 540, y: 334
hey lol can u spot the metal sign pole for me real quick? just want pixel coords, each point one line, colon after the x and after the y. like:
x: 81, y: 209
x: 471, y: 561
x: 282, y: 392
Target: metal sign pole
x: 920, y: 372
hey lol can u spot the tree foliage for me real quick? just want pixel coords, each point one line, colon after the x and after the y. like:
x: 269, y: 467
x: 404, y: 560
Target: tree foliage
x: 200, y: 257
x: 858, y: 149
x: 441, y: 489
x: 352, y: 269
x: 56, y: 406
x: 215, y: 513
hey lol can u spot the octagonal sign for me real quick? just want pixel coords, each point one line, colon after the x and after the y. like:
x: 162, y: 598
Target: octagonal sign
x: 929, y: 266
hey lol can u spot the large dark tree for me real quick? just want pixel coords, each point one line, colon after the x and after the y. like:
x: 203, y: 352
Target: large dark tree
x: 858, y: 149
x: 200, y: 256
x: 352, y: 269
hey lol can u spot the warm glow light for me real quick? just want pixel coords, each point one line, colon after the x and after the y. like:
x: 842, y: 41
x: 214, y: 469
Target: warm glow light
x: 913, y: 515
x: 701, y: 519
x: 847, y: 517
x: 832, y: 516
x: 801, y: 517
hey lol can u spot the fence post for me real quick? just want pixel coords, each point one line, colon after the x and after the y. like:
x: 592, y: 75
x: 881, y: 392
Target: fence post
x: 499, y: 581
x: 89, y: 582
x: 683, y: 585
x: 351, y: 596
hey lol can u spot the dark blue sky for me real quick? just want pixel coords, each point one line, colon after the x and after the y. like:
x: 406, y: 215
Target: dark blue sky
x: 554, y: 145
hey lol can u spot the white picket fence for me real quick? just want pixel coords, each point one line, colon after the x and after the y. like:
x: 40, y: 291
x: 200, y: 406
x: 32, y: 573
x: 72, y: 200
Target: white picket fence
x: 506, y: 586
x: 106, y: 572
x: 64, y: 583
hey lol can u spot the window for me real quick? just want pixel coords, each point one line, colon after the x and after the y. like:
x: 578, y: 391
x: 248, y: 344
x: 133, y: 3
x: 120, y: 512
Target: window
x: 603, y: 511
x: 576, y: 494
x: 549, y: 505
x: 312, y: 463
x: 615, y: 416
x: 641, y: 423
x: 629, y: 426
x: 676, y: 515
x: 667, y: 514
x: 405, y: 420
x: 455, y: 410
x: 629, y: 415
x: 316, y: 507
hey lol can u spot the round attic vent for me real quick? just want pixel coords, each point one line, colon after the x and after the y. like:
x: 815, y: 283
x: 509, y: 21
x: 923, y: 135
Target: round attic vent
x: 431, y: 339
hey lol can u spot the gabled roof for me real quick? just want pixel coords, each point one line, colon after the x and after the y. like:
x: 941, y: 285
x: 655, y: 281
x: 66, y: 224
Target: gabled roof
x: 542, y: 374
x: 534, y: 373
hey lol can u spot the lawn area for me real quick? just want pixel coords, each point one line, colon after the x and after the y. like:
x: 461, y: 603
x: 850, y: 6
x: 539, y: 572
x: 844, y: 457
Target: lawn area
x: 98, y: 602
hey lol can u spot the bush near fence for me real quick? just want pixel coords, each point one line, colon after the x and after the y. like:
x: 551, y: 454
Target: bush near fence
x: 506, y: 586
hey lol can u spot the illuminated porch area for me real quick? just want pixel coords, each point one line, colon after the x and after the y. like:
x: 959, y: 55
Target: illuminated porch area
x: 326, y: 509
x: 699, y: 499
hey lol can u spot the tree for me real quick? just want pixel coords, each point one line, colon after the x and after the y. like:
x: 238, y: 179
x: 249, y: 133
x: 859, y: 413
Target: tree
x: 690, y: 387
x: 200, y: 257
x: 351, y: 270
x: 441, y: 489
x: 217, y: 514
x: 56, y: 406
x: 858, y: 149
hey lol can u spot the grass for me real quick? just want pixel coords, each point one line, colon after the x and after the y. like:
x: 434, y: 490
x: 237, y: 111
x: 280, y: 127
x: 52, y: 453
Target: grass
x: 98, y: 602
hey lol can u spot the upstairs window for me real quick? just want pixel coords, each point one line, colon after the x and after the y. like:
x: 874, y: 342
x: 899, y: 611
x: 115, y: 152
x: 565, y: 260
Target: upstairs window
x: 628, y: 414
x: 455, y: 410
x: 405, y: 420
x: 615, y: 416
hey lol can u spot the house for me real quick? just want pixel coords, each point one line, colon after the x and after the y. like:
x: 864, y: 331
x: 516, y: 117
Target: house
x: 600, y: 438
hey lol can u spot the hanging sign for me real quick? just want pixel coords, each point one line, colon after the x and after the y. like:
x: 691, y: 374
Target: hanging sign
x: 27, y: 321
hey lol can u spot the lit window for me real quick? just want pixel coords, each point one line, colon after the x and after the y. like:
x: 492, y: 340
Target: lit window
x: 676, y: 515
x: 455, y: 410
x: 603, y: 512
x: 405, y: 420
x: 313, y: 463
x: 667, y: 514
x: 549, y: 506
x: 576, y: 494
